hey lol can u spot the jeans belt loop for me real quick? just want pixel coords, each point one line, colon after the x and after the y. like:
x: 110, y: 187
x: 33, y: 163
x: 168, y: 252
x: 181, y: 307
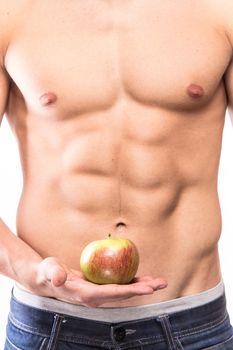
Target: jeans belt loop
x: 167, y: 330
x: 58, y: 319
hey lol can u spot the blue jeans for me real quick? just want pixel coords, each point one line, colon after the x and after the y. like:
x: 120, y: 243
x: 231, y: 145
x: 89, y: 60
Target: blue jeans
x: 202, y: 327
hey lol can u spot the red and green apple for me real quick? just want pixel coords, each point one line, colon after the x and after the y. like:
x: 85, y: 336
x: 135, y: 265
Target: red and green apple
x: 110, y: 260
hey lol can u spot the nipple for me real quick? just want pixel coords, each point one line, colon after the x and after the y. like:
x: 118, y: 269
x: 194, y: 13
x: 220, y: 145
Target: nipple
x: 195, y: 91
x: 48, y: 98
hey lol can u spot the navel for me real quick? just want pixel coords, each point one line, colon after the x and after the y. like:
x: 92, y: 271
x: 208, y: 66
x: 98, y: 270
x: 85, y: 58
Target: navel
x: 195, y: 91
x: 120, y: 226
x: 48, y: 98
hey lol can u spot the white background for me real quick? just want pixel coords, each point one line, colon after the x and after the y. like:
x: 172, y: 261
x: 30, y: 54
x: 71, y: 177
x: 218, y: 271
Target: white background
x: 10, y: 187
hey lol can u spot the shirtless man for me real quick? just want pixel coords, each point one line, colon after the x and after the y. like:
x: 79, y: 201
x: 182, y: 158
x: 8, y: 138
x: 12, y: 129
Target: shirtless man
x: 118, y: 108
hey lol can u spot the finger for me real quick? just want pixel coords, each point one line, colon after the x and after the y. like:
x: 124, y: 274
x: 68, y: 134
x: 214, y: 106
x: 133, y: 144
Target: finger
x: 58, y: 276
x: 112, y: 293
x: 155, y: 283
x: 97, y: 295
x: 147, y: 285
x: 52, y: 271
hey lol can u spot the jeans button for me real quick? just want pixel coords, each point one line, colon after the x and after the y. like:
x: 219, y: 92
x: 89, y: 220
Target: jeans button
x: 119, y: 334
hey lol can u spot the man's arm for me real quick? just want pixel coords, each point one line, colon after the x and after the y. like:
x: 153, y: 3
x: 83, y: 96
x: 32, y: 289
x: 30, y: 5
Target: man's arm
x: 17, y: 260
x: 14, y: 253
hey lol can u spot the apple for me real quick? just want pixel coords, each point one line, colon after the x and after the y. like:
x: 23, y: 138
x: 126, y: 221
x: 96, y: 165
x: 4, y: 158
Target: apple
x: 110, y: 260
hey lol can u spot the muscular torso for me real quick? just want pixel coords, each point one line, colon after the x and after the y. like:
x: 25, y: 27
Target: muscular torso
x: 118, y: 108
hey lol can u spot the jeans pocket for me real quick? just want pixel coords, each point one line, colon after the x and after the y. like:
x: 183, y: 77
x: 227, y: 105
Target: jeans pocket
x: 225, y: 345
x: 19, y: 339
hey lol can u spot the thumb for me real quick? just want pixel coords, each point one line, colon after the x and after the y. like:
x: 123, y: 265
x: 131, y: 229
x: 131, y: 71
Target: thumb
x: 51, y: 270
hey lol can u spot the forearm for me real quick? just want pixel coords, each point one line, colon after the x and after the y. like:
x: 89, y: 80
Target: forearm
x: 18, y: 260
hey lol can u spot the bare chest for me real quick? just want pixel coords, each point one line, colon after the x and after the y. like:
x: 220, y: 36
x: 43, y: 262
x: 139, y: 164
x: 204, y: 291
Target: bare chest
x: 87, y: 55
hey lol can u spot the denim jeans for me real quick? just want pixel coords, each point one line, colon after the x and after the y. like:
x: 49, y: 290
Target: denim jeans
x: 202, y: 327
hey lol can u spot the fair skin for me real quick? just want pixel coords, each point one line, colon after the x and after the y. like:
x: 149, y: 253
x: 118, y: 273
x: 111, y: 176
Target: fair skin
x: 118, y: 108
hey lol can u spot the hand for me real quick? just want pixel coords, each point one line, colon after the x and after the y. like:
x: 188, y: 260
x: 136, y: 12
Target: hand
x: 56, y: 280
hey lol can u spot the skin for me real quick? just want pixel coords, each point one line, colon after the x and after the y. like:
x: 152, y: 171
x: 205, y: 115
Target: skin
x: 118, y: 108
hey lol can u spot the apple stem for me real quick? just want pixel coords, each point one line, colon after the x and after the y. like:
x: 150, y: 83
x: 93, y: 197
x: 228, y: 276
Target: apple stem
x: 109, y: 235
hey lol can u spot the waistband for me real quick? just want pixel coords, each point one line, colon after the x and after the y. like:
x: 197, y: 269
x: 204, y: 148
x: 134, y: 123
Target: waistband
x: 120, y: 314
x: 189, y: 326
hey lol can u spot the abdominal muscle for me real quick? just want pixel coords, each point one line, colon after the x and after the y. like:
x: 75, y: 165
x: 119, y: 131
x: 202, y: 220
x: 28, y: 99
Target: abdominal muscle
x: 134, y: 182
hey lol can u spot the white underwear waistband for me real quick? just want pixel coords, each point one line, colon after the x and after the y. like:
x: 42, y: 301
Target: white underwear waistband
x: 121, y: 314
